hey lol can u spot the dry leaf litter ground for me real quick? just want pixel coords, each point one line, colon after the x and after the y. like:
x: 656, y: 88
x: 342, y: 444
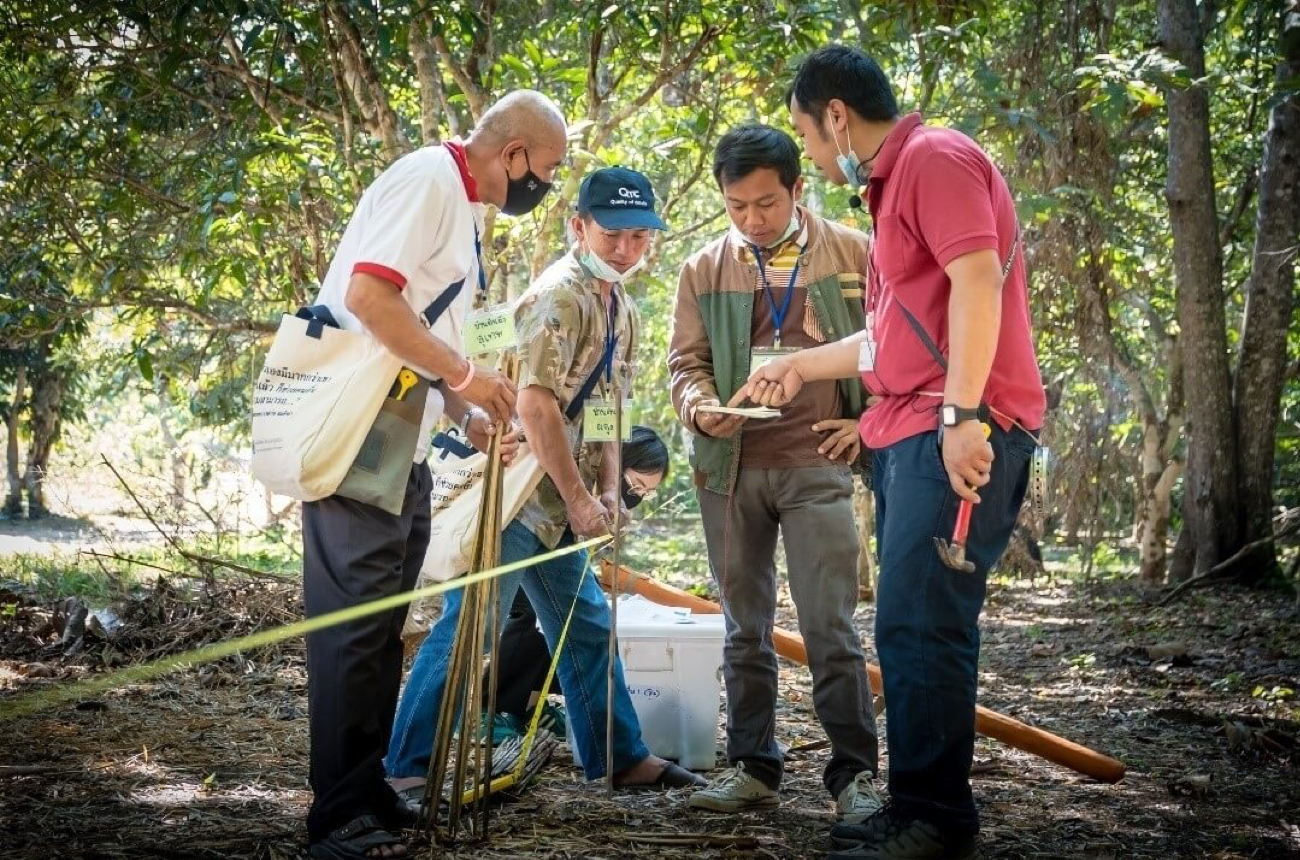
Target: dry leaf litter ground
x: 210, y: 763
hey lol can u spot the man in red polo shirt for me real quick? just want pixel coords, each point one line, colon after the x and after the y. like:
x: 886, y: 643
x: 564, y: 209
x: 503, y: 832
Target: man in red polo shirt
x: 948, y: 351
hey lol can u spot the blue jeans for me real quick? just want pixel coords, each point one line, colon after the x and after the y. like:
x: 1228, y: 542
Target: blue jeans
x: 550, y: 587
x: 927, y: 617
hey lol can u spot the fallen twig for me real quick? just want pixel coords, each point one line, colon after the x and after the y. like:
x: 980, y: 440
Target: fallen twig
x: 707, y: 839
x: 129, y: 560
x: 1204, y: 578
x: 198, y: 558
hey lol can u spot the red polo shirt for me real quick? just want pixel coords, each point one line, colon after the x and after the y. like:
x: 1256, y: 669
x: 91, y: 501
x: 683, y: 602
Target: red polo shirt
x: 934, y: 195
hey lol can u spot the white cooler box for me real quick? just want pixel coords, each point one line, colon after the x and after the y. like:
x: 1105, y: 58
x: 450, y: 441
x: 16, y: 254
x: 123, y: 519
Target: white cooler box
x: 672, y: 661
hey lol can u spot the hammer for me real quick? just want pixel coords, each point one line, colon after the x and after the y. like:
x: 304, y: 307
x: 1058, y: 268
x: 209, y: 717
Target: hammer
x: 954, y: 554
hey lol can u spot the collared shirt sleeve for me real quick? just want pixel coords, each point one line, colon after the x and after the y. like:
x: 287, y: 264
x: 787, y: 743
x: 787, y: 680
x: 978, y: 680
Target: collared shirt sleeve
x: 400, y: 229
x: 548, y: 325
x: 952, y: 205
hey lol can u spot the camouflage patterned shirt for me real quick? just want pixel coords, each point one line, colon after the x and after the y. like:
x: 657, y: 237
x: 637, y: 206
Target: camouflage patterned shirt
x: 562, y: 322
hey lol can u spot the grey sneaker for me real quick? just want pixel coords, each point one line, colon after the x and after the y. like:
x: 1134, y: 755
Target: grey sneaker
x: 887, y: 836
x: 859, y: 800
x: 734, y: 791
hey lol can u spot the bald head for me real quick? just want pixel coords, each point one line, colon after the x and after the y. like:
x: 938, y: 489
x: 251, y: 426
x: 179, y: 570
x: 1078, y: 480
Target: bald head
x: 524, y: 115
x: 522, y: 131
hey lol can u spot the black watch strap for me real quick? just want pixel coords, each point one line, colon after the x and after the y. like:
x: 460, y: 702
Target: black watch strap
x: 950, y: 414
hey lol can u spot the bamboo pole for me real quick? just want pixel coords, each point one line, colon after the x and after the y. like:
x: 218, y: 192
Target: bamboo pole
x: 478, y: 631
x: 1011, y: 732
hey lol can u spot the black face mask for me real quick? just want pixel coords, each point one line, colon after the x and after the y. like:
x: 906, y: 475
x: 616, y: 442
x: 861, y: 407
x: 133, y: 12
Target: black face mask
x: 523, y: 194
x: 630, y: 499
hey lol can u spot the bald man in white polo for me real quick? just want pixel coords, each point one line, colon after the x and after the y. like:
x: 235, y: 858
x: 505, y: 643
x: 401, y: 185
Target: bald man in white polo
x: 405, y: 271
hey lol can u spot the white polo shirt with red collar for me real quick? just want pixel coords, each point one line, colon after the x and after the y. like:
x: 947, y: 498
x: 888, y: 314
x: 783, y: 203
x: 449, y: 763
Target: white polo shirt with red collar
x: 416, y: 226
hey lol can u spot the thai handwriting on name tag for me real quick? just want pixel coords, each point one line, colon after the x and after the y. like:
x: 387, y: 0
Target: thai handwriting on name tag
x: 490, y: 330
x: 599, y: 420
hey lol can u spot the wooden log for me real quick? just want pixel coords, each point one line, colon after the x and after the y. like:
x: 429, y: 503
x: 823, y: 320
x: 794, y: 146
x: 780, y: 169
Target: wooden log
x: 1012, y: 732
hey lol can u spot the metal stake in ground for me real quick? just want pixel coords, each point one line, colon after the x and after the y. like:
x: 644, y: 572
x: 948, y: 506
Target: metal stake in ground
x: 613, y: 597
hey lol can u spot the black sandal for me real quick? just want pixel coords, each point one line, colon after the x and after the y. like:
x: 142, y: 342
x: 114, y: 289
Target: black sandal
x: 352, y: 840
x: 672, y: 776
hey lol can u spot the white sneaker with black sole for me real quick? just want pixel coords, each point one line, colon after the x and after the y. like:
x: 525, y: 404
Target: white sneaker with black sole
x: 859, y: 800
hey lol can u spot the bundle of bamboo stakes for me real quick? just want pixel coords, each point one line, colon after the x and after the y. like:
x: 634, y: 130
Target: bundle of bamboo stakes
x: 468, y: 759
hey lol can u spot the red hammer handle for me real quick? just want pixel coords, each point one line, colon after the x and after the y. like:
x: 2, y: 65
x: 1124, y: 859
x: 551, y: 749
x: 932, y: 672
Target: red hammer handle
x: 963, y: 522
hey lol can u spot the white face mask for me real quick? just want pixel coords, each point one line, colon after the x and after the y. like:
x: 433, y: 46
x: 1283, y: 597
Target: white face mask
x: 790, y: 230
x: 604, y: 271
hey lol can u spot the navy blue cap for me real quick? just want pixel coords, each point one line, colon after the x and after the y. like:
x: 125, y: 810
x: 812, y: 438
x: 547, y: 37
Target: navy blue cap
x: 619, y: 199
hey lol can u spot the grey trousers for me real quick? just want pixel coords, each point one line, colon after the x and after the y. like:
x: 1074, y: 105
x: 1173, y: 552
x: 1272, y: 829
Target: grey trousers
x: 813, y: 507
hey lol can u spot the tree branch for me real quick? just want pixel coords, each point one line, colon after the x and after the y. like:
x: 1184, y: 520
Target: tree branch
x: 481, y: 52
x: 341, y: 85
x: 665, y: 75
x: 367, y: 87
x: 473, y: 92
x: 258, y: 89
x: 1244, y: 195
x: 430, y: 77
x: 593, y: 69
x: 1203, y: 578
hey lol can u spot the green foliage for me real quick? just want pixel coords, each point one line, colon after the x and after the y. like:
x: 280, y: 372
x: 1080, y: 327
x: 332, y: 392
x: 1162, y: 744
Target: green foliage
x: 173, y: 176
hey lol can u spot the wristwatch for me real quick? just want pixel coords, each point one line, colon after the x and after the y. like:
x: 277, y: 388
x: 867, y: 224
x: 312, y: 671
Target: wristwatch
x: 468, y: 417
x: 950, y: 414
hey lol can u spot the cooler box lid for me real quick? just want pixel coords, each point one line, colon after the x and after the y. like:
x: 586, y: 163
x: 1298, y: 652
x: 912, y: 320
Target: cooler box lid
x: 639, y: 618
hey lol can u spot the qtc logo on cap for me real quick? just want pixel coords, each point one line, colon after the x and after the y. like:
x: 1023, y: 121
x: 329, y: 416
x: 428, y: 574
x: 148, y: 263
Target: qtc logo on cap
x: 631, y: 197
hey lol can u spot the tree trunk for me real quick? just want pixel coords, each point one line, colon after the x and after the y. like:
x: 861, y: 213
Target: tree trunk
x: 1157, y: 506
x: 366, y: 84
x: 47, y: 392
x: 1261, y: 371
x: 1198, y: 278
x: 1183, y: 560
x: 175, y: 451
x: 432, y: 97
x: 14, y: 498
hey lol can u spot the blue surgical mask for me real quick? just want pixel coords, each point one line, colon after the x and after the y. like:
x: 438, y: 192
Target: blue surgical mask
x: 848, y: 162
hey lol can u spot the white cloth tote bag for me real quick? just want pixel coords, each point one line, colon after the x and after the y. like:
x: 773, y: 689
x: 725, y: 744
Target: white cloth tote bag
x: 314, y: 402
x: 457, y: 494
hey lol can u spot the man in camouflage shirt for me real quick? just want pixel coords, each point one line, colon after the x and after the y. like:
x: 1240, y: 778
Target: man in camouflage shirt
x: 577, y: 333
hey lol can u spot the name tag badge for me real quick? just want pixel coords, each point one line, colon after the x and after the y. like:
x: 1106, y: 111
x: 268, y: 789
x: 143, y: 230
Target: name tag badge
x: 763, y: 356
x: 867, y: 355
x: 490, y: 329
x: 599, y: 418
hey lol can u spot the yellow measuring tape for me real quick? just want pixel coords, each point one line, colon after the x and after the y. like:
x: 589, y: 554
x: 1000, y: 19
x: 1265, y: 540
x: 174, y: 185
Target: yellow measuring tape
x: 546, y: 685
x: 40, y: 700
x: 515, y: 777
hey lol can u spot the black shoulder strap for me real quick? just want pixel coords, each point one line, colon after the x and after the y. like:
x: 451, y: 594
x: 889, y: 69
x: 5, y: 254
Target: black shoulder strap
x: 579, y: 399
x: 317, y: 316
x: 439, y: 306
x: 925, y: 335
x: 606, y: 362
x: 447, y: 444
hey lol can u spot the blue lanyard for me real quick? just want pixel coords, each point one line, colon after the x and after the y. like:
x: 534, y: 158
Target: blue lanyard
x: 611, y: 339
x: 478, y: 256
x: 778, y: 315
